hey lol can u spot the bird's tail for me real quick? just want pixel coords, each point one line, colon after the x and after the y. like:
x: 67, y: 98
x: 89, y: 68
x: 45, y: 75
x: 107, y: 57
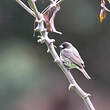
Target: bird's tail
x: 84, y: 73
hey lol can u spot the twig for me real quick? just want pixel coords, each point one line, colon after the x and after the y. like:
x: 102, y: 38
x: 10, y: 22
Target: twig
x: 59, y: 2
x: 32, y: 3
x: 26, y: 8
x: 73, y: 84
x: 49, y: 42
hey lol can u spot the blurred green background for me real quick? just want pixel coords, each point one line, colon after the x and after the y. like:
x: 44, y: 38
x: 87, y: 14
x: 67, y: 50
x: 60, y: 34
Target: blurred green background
x: 29, y: 80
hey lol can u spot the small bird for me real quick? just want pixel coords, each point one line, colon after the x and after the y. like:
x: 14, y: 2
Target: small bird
x: 71, y: 58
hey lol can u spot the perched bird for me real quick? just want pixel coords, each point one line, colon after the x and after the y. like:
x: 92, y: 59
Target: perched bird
x: 71, y: 58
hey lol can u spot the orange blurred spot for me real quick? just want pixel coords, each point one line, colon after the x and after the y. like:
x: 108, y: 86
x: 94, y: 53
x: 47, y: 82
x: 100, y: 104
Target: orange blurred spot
x: 102, y: 15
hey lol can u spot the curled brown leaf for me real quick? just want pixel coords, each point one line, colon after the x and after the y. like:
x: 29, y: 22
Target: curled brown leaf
x: 109, y: 1
x: 102, y: 15
x: 49, y: 15
x: 103, y: 11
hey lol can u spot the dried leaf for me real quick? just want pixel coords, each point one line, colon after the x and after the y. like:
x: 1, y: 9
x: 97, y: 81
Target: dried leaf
x: 109, y: 1
x: 103, y: 11
x: 49, y: 15
x: 103, y: 5
x: 102, y: 15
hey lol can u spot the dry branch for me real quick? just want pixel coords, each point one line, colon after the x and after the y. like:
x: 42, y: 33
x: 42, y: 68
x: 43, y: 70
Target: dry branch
x: 49, y: 43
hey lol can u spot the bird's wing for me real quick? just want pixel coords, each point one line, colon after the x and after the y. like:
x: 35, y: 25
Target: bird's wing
x: 76, y: 53
x: 73, y: 56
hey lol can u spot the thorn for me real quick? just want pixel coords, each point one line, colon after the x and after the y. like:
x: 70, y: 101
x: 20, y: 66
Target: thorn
x: 36, y: 29
x: 44, y: 30
x: 39, y: 25
x: 39, y: 29
x: 39, y: 40
x: 52, y: 40
x: 58, y: 32
x: 87, y: 95
x: 48, y: 50
x: 56, y: 60
x: 70, y: 86
x: 38, y: 21
x: 42, y: 40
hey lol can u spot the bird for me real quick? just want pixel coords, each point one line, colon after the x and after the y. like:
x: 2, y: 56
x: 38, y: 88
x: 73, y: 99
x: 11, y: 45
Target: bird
x: 70, y: 57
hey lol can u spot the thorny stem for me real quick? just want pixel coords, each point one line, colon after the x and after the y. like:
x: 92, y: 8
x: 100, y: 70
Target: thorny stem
x: 49, y: 42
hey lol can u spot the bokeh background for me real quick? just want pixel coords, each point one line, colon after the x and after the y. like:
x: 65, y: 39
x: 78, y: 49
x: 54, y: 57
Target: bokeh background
x: 29, y: 80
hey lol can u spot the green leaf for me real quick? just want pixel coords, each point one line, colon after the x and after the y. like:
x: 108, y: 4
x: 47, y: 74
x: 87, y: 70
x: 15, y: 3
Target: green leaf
x: 55, y: 46
x: 35, y: 37
x: 72, y: 66
x: 38, y: 36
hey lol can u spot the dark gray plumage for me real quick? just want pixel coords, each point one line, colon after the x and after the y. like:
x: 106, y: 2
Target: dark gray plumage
x: 71, y: 58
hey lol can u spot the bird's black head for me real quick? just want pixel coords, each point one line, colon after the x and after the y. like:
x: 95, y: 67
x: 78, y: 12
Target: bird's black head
x: 65, y: 45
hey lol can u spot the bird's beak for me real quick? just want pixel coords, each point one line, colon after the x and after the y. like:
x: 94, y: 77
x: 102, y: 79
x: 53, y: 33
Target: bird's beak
x: 61, y: 47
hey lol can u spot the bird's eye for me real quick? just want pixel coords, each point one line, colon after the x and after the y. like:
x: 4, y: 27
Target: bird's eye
x: 65, y: 46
